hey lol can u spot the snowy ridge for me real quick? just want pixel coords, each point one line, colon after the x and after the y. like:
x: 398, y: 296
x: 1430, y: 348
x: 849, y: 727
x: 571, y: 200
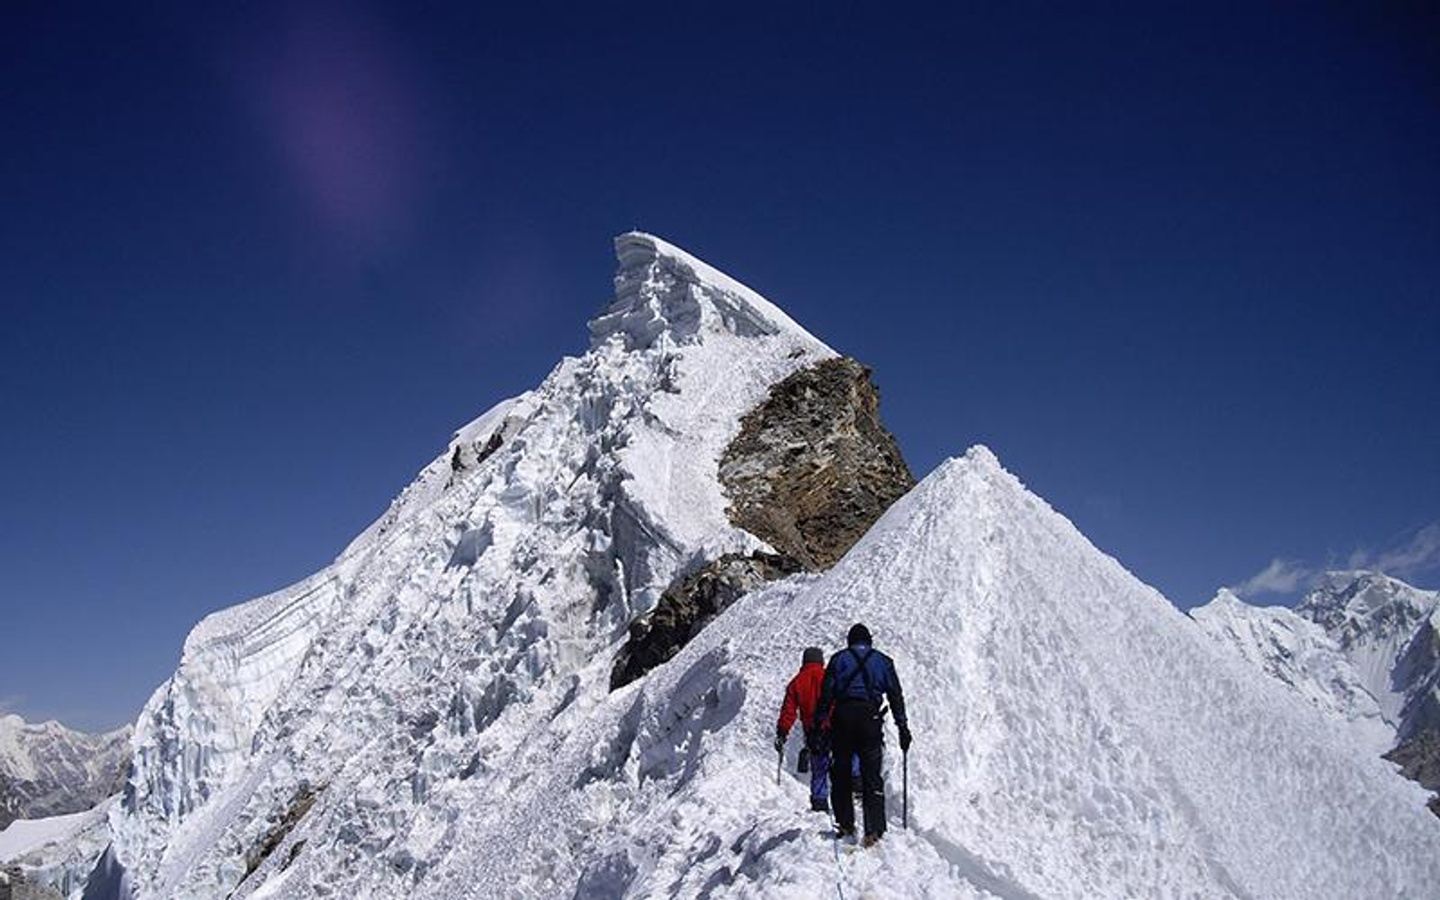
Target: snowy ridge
x: 1076, y: 736
x: 1301, y: 656
x: 661, y: 289
x: 390, y: 688
x: 468, y: 445
x: 25, y: 835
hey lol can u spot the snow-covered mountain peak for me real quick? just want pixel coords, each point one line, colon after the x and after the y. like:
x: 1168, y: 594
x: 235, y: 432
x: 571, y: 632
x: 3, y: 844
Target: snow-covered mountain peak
x: 980, y: 458
x: 1365, y: 600
x: 663, y: 290
x: 1380, y: 624
x: 963, y: 475
x: 24, y: 745
x: 1224, y: 598
x: 488, y: 599
x: 1299, y: 654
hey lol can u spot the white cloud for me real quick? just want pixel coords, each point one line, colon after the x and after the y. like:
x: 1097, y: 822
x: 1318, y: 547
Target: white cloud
x: 1418, y: 555
x: 1281, y: 576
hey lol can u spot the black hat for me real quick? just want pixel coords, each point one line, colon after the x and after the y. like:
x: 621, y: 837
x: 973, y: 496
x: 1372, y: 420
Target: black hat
x: 859, y: 634
x: 813, y: 655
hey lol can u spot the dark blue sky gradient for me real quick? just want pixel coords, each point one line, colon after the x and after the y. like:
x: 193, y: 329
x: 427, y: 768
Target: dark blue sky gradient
x: 1178, y: 268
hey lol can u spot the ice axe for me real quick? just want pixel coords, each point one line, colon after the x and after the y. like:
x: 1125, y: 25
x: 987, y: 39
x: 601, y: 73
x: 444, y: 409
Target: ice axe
x: 905, y: 789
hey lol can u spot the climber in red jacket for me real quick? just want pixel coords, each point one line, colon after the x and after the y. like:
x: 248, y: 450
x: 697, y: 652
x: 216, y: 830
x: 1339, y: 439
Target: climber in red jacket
x: 801, y: 697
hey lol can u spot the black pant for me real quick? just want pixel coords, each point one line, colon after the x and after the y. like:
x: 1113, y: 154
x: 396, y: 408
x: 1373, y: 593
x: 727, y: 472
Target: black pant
x: 856, y: 728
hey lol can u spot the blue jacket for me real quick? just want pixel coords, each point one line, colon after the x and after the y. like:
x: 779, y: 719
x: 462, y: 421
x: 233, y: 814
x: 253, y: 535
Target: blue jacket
x: 860, y: 672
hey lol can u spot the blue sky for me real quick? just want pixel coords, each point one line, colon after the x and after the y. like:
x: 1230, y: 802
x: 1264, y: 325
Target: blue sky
x: 1177, y: 266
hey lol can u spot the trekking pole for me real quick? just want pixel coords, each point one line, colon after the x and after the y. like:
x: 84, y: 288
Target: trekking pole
x: 779, y: 764
x: 905, y: 789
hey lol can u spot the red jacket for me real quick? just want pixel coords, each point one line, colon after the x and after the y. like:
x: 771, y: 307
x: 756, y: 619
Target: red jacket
x: 802, y: 694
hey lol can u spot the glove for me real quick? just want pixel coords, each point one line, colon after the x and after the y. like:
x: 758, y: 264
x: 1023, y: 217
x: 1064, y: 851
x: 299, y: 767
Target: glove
x: 779, y: 742
x: 904, y: 739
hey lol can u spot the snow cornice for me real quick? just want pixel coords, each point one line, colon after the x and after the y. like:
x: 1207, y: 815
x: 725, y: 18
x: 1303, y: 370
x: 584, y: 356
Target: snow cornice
x: 661, y: 289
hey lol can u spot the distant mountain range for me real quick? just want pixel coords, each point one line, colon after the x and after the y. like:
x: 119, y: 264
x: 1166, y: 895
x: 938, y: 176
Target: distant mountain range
x: 1362, y: 646
x: 47, y: 769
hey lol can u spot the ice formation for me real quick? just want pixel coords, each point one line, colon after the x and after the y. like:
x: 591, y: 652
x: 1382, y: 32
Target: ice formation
x: 58, y: 852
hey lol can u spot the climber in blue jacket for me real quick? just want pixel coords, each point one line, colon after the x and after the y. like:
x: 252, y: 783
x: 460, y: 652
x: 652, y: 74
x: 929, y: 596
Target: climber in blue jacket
x: 857, y: 681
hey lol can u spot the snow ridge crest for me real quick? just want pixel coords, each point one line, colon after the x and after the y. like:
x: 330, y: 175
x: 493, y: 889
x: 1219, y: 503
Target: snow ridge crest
x: 660, y: 290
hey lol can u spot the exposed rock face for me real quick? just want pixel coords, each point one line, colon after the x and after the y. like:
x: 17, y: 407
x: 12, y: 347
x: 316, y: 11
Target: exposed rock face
x: 813, y: 467
x: 688, y: 606
x: 810, y: 472
x: 299, y: 807
x: 14, y: 885
x: 1418, y: 669
x: 1419, y: 760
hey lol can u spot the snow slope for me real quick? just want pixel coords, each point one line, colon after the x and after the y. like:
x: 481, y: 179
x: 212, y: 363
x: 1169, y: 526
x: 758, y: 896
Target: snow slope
x: 24, y: 835
x: 1076, y: 736
x: 1301, y: 656
x: 458, y: 624
x: 58, y: 851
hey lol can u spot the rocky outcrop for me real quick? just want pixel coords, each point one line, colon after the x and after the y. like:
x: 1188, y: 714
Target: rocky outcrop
x: 813, y: 467
x: 1419, y: 760
x: 15, y: 885
x: 810, y: 471
x: 1418, y: 670
x: 689, y: 605
x: 299, y: 807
